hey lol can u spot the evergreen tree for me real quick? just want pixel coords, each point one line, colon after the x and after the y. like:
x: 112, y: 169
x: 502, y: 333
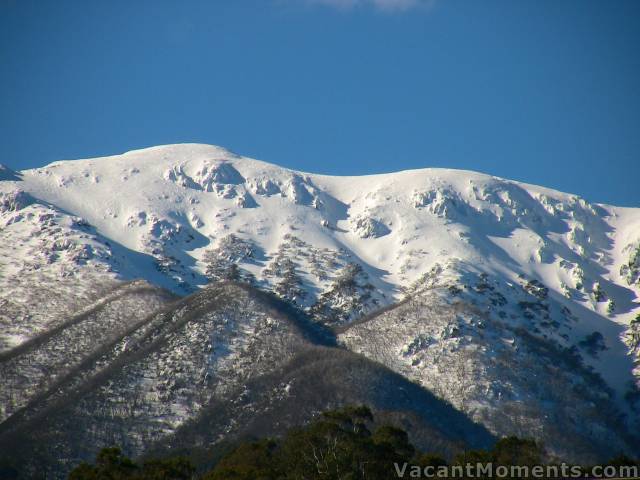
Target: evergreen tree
x: 290, y: 285
x: 350, y: 295
x: 222, y: 261
x: 517, y: 451
x: 598, y: 293
x: 249, y: 461
x: 337, y: 445
x: 111, y: 464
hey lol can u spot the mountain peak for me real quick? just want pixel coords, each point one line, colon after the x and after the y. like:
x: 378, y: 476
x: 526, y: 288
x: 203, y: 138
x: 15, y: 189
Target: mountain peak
x: 159, y: 213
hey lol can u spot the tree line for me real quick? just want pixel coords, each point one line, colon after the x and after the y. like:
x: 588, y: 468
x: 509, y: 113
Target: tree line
x: 339, y: 445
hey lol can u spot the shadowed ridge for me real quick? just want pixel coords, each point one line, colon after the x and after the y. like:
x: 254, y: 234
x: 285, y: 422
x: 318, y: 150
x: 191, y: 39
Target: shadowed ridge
x: 144, y: 387
x: 113, y: 294
x: 312, y: 331
x: 317, y: 379
x: 7, y: 174
x: 58, y: 361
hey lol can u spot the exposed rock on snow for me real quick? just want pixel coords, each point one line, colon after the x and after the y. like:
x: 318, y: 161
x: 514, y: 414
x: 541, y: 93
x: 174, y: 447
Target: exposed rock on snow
x: 445, y: 203
x: 14, y: 200
x: 298, y: 190
x: 221, y: 173
x: 367, y: 227
x: 246, y: 201
x: 264, y: 186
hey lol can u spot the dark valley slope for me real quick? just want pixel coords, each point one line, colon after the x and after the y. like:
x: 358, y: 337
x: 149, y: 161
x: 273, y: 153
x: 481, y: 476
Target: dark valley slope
x: 226, y: 363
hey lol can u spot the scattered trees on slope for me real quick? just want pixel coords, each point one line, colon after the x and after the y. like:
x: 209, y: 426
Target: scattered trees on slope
x: 222, y: 262
x: 349, y: 296
x: 290, y: 286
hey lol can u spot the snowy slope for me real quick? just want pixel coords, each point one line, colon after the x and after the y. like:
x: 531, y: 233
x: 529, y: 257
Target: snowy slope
x: 507, y: 374
x: 344, y: 245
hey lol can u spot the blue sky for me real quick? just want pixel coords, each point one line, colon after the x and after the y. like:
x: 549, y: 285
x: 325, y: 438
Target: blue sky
x: 542, y: 91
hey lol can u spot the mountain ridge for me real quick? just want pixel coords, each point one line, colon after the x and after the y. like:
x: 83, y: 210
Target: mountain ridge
x: 233, y: 154
x: 521, y: 273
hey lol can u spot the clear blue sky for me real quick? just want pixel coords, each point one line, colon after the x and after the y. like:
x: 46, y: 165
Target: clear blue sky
x: 543, y: 91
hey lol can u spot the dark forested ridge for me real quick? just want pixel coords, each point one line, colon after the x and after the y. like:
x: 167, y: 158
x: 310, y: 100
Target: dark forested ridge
x: 162, y: 377
x: 225, y: 364
x: 347, y: 443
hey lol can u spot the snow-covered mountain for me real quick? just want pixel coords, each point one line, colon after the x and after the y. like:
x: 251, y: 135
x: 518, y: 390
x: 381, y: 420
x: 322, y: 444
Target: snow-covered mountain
x: 521, y: 273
